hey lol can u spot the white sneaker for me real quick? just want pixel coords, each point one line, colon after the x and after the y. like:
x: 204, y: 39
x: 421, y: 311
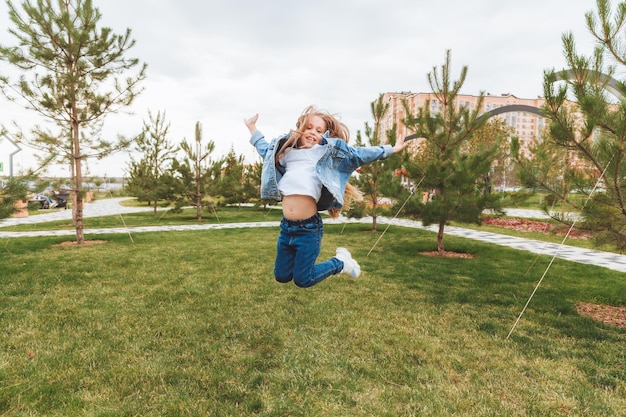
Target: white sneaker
x: 350, y: 266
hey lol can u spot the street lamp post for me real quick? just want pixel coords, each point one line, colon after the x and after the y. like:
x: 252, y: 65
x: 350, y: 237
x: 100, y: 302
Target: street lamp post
x: 17, y: 149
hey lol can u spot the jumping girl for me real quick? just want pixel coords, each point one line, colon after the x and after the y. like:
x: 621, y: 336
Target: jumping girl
x: 308, y: 170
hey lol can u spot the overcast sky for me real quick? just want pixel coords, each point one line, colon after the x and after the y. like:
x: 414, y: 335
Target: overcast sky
x: 217, y: 62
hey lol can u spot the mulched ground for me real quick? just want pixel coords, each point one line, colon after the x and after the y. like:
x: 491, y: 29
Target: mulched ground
x: 87, y: 243
x: 525, y: 225
x: 447, y: 254
x: 614, y: 316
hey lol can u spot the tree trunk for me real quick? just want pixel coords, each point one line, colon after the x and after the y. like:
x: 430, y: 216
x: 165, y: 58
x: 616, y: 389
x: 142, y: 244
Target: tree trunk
x: 78, y: 194
x: 564, y: 186
x: 198, y: 175
x: 374, y: 206
x: 198, y: 201
x: 73, y: 193
x: 440, y: 247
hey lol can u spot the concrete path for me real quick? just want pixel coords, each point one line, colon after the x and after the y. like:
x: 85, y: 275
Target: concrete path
x: 105, y: 207
x: 109, y: 207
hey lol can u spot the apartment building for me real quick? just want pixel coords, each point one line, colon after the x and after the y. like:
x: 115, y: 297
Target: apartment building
x: 528, y: 127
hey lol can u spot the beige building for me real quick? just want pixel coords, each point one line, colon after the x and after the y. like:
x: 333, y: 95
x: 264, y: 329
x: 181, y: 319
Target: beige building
x: 528, y: 126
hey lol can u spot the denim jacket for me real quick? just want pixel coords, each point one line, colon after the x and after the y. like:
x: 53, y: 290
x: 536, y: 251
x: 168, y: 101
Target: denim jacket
x: 334, y: 168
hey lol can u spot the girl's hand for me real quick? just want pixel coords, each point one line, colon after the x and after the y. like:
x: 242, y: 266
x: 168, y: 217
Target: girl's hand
x: 251, y: 123
x: 400, y: 145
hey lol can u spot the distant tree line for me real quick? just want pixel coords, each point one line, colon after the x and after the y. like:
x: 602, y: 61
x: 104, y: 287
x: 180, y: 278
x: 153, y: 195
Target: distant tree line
x: 188, y: 174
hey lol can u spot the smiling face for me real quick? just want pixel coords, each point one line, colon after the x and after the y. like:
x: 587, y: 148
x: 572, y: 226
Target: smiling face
x: 312, y: 132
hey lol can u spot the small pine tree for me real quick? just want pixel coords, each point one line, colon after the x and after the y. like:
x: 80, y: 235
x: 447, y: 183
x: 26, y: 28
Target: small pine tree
x: 448, y: 168
x: 12, y: 191
x: 232, y: 181
x: 193, y: 173
x: 378, y: 178
x: 149, y: 175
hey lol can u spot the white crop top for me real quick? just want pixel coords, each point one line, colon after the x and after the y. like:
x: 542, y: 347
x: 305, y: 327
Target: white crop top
x: 300, y: 176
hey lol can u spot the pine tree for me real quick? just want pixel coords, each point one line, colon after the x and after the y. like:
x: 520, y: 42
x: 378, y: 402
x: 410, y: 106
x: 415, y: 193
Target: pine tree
x: 11, y: 191
x: 378, y: 178
x: 253, y: 184
x: 193, y: 171
x: 590, y: 127
x: 72, y: 77
x: 446, y: 166
x: 232, y: 181
x: 150, y: 177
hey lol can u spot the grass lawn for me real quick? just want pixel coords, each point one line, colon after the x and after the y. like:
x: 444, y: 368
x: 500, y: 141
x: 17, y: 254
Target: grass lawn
x: 193, y: 324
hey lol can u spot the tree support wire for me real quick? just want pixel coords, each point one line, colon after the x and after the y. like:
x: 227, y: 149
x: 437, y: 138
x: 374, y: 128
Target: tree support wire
x: 555, y: 255
x: 389, y: 224
x: 124, y: 223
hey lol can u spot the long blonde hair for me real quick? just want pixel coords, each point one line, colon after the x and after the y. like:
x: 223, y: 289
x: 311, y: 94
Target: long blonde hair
x: 337, y: 129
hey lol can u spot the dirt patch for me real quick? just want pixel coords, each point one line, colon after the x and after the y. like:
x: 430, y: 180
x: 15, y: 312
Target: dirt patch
x: 448, y: 254
x: 614, y: 316
x: 87, y: 243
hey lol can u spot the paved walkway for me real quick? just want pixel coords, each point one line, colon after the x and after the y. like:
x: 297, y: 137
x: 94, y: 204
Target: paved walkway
x: 109, y: 207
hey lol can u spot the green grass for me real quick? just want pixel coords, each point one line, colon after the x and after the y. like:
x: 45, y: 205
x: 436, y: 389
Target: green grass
x: 192, y: 323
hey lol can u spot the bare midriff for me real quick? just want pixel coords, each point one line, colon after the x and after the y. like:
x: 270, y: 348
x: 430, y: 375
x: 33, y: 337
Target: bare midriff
x: 299, y: 207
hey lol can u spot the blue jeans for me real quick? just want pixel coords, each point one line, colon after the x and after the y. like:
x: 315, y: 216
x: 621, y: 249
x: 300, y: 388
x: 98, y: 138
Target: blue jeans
x: 298, y: 246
